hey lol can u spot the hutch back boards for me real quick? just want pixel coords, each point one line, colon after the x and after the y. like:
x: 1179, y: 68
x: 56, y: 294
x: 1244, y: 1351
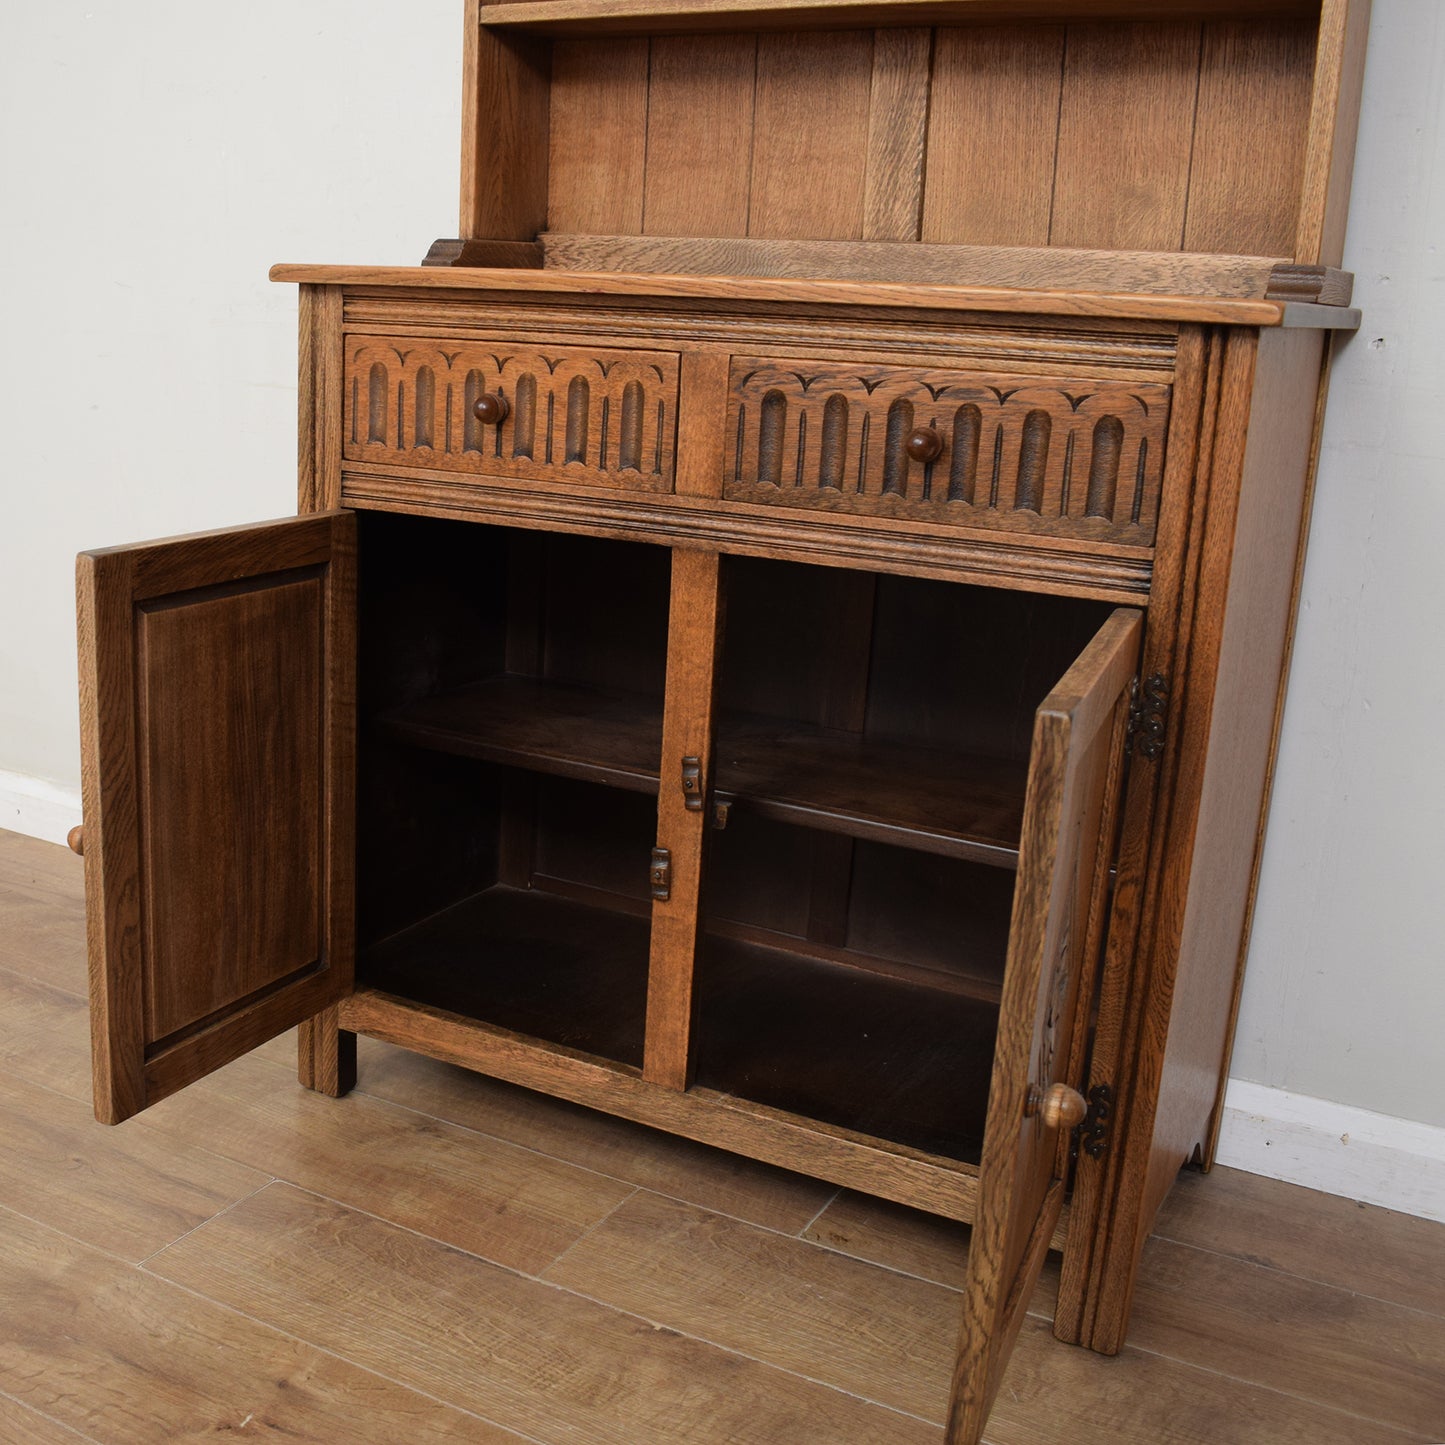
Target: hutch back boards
x: 785, y: 628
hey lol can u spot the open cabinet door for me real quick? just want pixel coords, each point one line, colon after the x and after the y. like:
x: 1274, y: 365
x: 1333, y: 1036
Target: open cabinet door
x: 1058, y: 908
x: 217, y: 687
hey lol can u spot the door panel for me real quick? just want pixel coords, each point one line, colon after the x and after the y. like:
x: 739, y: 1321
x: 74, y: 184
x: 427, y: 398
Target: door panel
x: 1059, y: 896
x: 218, y: 719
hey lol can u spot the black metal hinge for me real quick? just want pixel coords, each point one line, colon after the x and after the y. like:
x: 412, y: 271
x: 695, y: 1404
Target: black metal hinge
x: 1149, y: 715
x: 1092, y: 1135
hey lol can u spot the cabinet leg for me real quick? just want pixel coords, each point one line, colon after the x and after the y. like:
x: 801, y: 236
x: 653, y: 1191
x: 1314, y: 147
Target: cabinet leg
x: 326, y: 1055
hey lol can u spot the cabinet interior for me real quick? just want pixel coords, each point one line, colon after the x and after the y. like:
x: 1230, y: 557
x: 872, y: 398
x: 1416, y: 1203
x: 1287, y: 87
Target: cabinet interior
x: 872, y: 742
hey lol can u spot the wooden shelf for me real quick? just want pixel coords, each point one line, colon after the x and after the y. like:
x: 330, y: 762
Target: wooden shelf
x: 891, y: 792
x: 883, y: 1057
x: 594, y: 17
x: 526, y: 960
x: 954, y: 804
x: 612, y: 738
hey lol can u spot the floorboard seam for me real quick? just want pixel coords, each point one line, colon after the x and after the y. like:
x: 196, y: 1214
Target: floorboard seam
x: 331, y: 1354
x: 585, y: 1235
x: 1405, y: 1432
x: 1303, y: 1278
x: 210, y: 1219
x: 604, y: 1304
x: 59, y: 1424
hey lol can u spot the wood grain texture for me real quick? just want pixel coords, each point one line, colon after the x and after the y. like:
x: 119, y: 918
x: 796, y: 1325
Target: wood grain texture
x: 992, y: 136
x: 775, y: 1299
x: 1126, y: 122
x: 1368, y: 1358
x: 1314, y: 1236
x: 598, y: 135
x: 1074, y: 569
x: 505, y: 95
x: 695, y: 617
x: 1064, y: 858
x: 136, y: 1193
x: 702, y: 413
x: 771, y: 1135
x: 45, y: 1040
x: 617, y: 1148
x: 1334, y: 119
x: 585, y: 414
x: 897, y: 134
x: 810, y: 135
x: 1043, y: 301
x: 1028, y: 454
x: 22, y: 1425
x: 1249, y: 128
x: 613, y: 16
x: 318, y: 473
x: 119, y: 1355
x: 488, y: 1197
x: 169, y: 632
x: 699, y: 135
x: 534, y: 1352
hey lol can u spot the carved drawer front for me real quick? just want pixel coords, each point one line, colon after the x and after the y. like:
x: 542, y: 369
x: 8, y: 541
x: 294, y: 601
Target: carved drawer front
x: 1060, y: 458
x: 567, y: 413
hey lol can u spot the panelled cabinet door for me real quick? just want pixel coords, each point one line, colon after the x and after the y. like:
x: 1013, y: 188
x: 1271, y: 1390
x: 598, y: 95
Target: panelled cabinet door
x: 217, y: 682
x: 1059, y: 900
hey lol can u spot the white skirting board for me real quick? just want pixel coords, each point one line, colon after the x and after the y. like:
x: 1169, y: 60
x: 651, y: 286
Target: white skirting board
x: 1331, y: 1147
x: 1335, y: 1148
x: 37, y: 808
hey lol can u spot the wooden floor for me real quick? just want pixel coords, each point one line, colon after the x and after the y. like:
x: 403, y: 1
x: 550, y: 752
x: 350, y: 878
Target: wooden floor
x: 441, y: 1258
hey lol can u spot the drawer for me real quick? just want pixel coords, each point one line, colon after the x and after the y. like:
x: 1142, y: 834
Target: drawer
x: 585, y: 414
x: 1059, y: 458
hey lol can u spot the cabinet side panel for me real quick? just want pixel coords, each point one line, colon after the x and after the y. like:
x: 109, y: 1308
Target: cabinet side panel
x: 1334, y: 119
x: 1251, y: 656
x: 505, y: 83
x: 1126, y: 124
x: 1222, y: 709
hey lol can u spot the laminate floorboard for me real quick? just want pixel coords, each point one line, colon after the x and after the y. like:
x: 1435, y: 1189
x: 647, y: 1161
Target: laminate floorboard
x: 439, y: 1257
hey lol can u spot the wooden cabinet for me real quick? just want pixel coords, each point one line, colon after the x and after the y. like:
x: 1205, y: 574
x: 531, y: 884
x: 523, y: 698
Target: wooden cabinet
x: 780, y: 643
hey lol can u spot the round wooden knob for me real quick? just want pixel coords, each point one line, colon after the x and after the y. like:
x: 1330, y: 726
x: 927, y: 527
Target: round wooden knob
x: 1058, y: 1106
x: 491, y: 409
x: 923, y: 444
x: 76, y: 839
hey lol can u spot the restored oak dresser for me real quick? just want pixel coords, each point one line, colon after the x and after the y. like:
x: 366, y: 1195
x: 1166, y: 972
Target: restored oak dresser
x: 786, y: 624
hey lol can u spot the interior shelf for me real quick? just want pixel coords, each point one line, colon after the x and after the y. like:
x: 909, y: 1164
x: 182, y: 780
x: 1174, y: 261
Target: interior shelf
x: 882, y: 1056
x: 955, y: 804
x: 561, y: 728
x: 527, y: 960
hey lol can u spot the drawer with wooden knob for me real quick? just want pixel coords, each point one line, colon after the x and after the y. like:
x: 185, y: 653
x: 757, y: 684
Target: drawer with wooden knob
x: 590, y: 415
x: 1059, y: 457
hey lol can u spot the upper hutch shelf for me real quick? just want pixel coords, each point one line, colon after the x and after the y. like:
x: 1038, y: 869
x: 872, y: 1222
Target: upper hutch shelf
x: 594, y: 17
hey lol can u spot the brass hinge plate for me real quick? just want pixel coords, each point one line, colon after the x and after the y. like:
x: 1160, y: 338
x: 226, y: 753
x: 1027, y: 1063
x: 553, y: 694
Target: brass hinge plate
x: 1092, y: 1135
x: 1149, y: 715
x: 661, y: 875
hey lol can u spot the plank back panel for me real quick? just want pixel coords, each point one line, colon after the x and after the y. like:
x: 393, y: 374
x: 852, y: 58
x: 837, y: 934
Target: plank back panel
x: 992, y: 132
x: 1249, y: 136
x: 810, y: 135
x: 598, y: 144
x: 897, y: 134
x: 1126, y: 121
x: 699, y: 135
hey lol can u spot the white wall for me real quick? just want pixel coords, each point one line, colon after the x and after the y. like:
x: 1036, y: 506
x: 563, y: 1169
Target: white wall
x: 159, y: 156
